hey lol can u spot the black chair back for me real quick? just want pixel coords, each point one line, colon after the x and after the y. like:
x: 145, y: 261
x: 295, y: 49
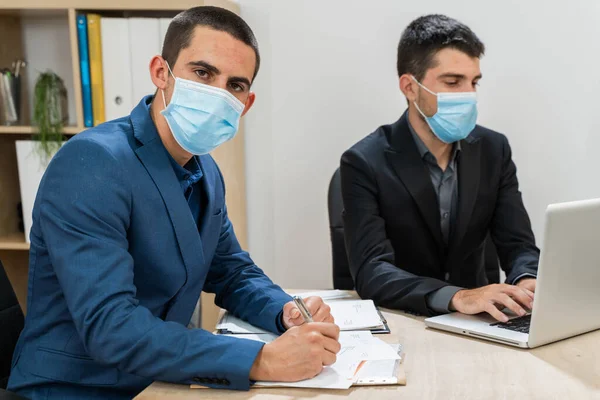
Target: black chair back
x: 341, y: 269
x: 11, y: 323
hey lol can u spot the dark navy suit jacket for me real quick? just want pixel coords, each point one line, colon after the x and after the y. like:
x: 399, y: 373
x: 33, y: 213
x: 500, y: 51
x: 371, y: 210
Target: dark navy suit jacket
x: 117, y: 264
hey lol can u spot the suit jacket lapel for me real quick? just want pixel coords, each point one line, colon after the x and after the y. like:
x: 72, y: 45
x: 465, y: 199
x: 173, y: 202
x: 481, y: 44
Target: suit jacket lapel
x: 468, y: 186
x: 154, y: 157
x: 404, y: 157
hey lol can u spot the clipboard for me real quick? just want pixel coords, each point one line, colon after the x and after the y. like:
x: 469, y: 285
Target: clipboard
x: 395, y: 377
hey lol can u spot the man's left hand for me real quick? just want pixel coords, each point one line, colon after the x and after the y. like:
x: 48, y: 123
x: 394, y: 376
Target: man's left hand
x: 527, y: 283
x: 320, y: 312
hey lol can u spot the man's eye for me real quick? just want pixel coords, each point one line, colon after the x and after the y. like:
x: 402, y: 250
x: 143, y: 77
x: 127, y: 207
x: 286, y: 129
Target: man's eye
x: 237, y: 87
x: 452, y: 83
x: 202, y: 73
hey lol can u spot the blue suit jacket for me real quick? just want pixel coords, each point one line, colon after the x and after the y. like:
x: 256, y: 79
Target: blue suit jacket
x: 117, y: 264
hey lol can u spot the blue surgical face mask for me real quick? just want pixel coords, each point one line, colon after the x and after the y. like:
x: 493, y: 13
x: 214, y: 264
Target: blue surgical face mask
x: 456, y: 115
x: 201, y: 117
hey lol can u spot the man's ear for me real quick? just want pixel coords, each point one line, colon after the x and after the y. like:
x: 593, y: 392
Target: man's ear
x: 159, y: 72
x: 409, y: 87
x: 249, y: 103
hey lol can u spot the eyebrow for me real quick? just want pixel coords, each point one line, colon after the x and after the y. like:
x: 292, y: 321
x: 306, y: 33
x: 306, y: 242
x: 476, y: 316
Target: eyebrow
x: 216, y: 71
x: 458, y: 76
x: 206, y: 65
x: 239, y: 79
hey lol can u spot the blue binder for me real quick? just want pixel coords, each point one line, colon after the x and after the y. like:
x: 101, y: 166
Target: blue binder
x: 84, y: 63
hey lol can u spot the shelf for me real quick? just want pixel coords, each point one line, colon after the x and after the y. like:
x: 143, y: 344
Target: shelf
x: 24, y: 130
x: 119, y: 4
x: 15, y: 241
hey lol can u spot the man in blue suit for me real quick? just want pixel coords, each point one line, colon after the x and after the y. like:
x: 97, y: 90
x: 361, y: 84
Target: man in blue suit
x: 130, y: 225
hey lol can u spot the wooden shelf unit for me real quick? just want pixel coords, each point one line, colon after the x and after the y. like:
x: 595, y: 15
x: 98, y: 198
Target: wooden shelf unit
x: 32, y: 130
x: 13, y: 246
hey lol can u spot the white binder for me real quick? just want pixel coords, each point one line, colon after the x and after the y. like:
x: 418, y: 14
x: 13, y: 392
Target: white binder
x: 164, y: 25
x: 144, y: 40
x: 116, y: 66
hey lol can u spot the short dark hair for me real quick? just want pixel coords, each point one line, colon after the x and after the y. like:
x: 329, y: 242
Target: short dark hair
x: 426, y: 36
x: 182, y: 27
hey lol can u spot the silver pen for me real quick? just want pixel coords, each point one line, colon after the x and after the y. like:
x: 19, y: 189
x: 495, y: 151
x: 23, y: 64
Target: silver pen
x: 303, y: 309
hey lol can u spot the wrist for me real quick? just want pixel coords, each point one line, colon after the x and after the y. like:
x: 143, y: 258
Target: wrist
x: 455, y: 300
x: 260, y: 368
x: 523, y: 279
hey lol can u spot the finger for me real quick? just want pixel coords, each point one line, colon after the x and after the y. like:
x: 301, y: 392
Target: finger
x: 521, y: 296
x: 297, y: 321
x: 329, y: 330
x: 328, y: 358
x: 331, y: 345
x: 290, y: 310
x: 322, y: 313
x: 313, y: 303
x: 494, y: 312
x: 330, y: 319
x: 510, y: 304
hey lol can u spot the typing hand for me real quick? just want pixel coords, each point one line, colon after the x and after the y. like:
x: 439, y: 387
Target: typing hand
x: 318, y: 309
x: 527, y: 283
x: 492, y: 299
x: 300, y: 353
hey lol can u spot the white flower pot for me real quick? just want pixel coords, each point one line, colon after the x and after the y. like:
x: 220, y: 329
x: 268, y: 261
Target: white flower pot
x: 31, y: 171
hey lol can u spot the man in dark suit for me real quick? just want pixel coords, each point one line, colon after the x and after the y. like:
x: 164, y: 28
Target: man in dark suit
x: 421, y: 195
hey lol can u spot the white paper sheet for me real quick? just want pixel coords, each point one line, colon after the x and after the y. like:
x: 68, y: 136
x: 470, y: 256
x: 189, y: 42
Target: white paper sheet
x: 235, y: 325
x: 349, y: 315
x: 355, y: 314
x: 259, y: 337
x: 379, y: 372
x: 356, y: 347
x: 325, y: 294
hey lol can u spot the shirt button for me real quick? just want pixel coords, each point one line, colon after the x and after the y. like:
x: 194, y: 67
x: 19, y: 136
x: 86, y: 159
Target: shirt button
x: 445, y: 215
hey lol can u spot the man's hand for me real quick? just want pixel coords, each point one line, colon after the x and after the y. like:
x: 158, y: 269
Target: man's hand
x: 492, y: 299
x: 319, y: 311
x: 527, y: 283
x: 300, y: 353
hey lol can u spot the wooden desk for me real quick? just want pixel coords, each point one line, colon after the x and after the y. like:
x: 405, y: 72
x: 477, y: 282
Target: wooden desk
x: 446, y: 366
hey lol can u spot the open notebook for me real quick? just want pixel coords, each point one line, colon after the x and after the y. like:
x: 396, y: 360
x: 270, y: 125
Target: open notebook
x: 350, y: 315
x: 363, y: 360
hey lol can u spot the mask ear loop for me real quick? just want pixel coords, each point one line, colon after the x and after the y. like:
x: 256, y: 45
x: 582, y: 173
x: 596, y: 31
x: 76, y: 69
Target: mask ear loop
x: 418, y: 83
x: 415, y: 103
x: 162, y: 91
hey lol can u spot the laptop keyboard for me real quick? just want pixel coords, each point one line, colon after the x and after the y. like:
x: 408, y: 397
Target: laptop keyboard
x: 519, y: 324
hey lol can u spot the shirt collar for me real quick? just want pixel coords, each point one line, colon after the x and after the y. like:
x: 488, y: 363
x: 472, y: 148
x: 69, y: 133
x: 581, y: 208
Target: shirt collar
x: 423, y: 150
x: 189, y: 174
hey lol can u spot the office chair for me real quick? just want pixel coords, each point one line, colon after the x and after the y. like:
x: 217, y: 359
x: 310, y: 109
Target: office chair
x: 341, y: 268
x: 11, y: 321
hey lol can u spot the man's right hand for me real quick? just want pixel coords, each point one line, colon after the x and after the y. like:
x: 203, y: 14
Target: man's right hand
x: 300, y: 353
x: 492, y: 299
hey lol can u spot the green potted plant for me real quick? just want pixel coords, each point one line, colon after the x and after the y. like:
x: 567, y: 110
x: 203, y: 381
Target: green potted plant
x: 49, y: 117
x: 49, y: 114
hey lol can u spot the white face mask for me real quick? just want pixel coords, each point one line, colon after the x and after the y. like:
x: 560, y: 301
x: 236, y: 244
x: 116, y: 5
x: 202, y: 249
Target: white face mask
x: 456, y: 114
x: 201, y: 117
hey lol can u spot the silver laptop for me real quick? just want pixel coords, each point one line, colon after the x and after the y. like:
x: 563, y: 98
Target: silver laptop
x: 567, y: 297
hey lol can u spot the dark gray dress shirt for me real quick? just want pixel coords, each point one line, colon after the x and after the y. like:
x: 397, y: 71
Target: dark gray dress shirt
x: 445, y: 184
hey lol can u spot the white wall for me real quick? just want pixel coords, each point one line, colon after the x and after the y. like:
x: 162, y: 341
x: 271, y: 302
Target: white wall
x: 328, y: 79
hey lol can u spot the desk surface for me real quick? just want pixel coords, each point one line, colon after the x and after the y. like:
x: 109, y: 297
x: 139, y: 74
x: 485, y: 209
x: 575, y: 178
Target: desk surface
x: 446, y: 366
